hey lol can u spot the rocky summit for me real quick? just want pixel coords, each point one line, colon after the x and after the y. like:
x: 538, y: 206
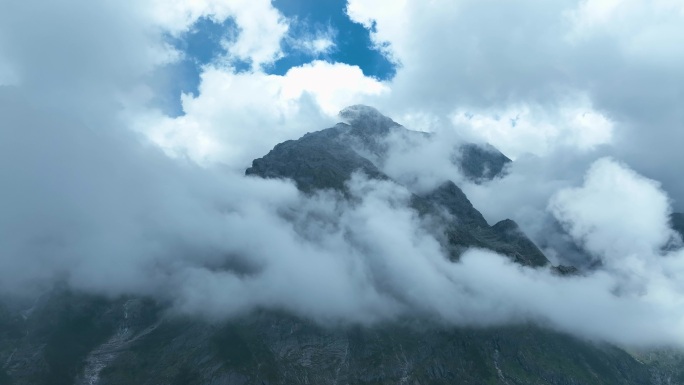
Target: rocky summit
x: 327, y: 159
x: 67, y: 338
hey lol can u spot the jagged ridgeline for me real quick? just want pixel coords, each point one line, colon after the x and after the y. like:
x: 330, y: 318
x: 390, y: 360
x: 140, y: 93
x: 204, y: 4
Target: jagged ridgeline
x: 67, y: 338
x: 326, y: 159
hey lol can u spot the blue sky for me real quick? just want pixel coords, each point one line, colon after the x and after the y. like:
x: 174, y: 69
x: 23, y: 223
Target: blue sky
x: 353, y: 44
x: 202, y: 44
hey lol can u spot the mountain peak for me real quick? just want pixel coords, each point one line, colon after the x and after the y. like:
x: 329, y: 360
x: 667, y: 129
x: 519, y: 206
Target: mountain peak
x: 366, y: 117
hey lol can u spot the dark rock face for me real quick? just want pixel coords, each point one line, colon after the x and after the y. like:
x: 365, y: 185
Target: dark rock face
x: 451, y: 197
x: 469, y: 228
x: 481, y: 163
x: 677, y: 223
x: 522, y: 249
x: 565, y: 270
x: 316, y: 161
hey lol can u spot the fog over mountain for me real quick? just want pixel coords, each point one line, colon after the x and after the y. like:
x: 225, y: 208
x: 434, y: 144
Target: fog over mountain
x: 542, y: 138
x: 105, y: 213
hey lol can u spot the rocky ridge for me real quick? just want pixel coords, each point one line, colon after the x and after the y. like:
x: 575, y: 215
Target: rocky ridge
x: 327, y: 159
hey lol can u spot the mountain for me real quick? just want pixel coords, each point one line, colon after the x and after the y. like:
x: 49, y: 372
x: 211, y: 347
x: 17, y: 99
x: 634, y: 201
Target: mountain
x: 327, y: 159
x: 69, y: 338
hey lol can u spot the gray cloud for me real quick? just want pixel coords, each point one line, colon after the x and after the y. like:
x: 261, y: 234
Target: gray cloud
x: 81, y: 55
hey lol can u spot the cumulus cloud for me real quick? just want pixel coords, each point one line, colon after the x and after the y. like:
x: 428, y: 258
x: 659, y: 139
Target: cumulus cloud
x: 261, y: 26
x: 237, y: 117
x: 611, y: 191
x: 100, y: 57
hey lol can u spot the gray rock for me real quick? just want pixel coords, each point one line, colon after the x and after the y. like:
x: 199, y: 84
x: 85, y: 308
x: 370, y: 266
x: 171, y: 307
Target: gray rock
x: 481, y: 162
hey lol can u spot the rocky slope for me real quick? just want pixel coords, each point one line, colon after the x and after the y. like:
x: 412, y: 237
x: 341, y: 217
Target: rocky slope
x: 68, y: 338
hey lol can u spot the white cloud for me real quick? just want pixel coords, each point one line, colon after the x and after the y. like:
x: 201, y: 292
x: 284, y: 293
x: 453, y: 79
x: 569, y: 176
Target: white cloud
x: 537, y: 130
x: 319, y: 45
x: 501, y: 57
x: 322, y: 45
x: 616, y: 213
x: 334, y: 86
x: 238, y: 117
x: 89, y: 54
x: 261, y: 26
x: 78, y: 45
x: 623, y: 218
x: 622, y: 16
